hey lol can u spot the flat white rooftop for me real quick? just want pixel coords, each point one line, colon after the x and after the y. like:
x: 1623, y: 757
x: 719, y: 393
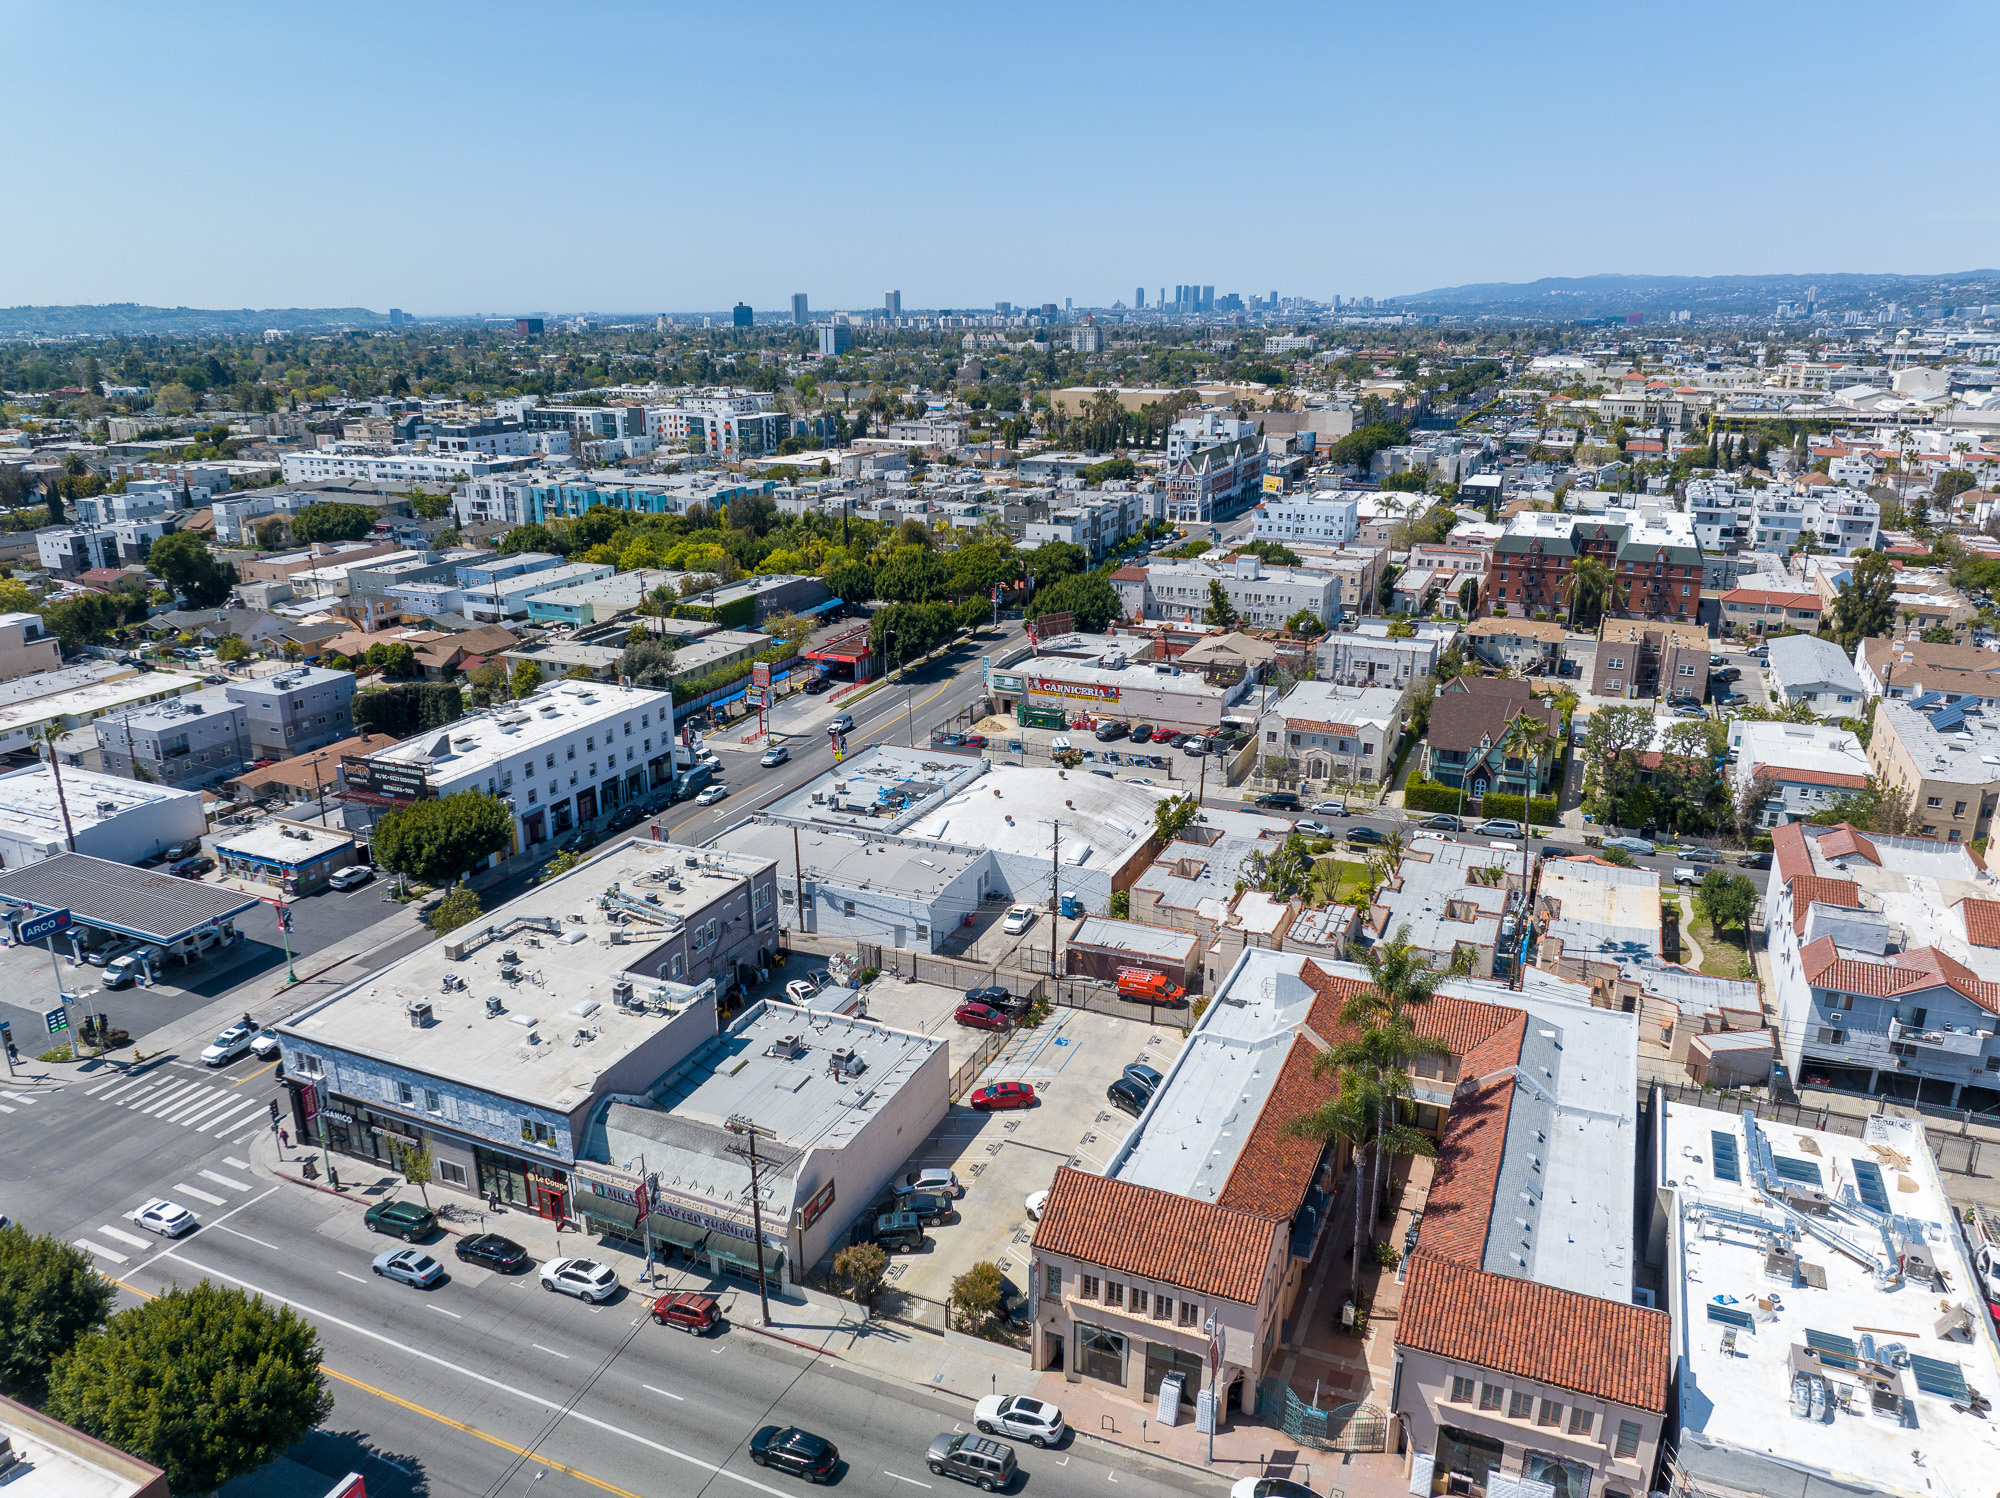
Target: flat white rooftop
x: 29, y: 806
x: 483, y: 741
x: 283, y: 842
x: 1759, y: 1295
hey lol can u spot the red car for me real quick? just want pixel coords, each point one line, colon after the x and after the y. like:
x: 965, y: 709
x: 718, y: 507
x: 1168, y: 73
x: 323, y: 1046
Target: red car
x: 1004, y: 1095
x: 981, y: 1017
x: 975, y: 741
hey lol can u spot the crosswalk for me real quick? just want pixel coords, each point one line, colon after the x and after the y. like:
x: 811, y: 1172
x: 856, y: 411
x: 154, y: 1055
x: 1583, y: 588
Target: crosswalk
x: 181, y: 1192
x: 14, y: 1097
x: 167, y: 1096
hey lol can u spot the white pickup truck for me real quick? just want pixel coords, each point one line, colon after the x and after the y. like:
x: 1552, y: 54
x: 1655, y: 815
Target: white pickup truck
x: 1982, y: 1236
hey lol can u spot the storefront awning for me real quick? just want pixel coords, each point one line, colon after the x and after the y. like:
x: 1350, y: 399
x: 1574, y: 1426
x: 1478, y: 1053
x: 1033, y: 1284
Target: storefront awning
x: 672, y: 1230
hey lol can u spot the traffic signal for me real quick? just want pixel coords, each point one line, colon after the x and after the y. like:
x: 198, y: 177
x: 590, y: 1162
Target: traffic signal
x: 274, y: 1110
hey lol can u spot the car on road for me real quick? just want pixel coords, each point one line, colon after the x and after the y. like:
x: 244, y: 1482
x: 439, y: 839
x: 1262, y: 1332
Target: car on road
x: 799, y: 1452
x: 1638, y: 847
x: 798, y: 991
x: 631, y: 816
x: 712, y: 795
x: 1278, y: 801
x: 265, y: 1045
x: 974, y: 1459
x: 1363, y: 835
x: 1106, y: 732
x: 842, y: 723
x: 410, y: 1265
x: 1002, y: 1095
x: 819, y: 684
x: 1147, y: 1077
x: 777, y: 754
x: 1761, y: 653
x: 491, y: 1251
x: 1310, y: 828
x: 1036, y: 1203
x: 226, y: 1047
x: 1685, y: 875
x: 1497, y: 827
x: 168, y: 1219
x: 400, y: 1219
x: 1143, y: 734
x: 1035, y: 1421
x: 191, y: 868
x: 586, y: 1279
x: 1328, y: 808
x: 1754, y: 861
x: 980, y: 1017
x: 694, y: 1314
x: 1441, y: 823
x: 1269, y: 1487
x: 1128, y: 1095
x: 939, y: 1180
x: 1701, y: 855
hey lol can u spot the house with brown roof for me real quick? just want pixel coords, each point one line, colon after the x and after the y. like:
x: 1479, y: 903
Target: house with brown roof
x: 1467, y: 741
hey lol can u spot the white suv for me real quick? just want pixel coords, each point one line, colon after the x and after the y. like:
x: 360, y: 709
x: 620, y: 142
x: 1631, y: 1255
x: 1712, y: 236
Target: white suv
x: 586, y: 1279
x: 1032, y: 1420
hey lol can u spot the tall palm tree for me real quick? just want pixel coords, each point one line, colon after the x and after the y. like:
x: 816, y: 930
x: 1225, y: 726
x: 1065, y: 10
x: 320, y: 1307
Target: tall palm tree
x: 1350, y: 1115
x: 1589, y: 585
x: 1523, y: 741
x: 52, y: 732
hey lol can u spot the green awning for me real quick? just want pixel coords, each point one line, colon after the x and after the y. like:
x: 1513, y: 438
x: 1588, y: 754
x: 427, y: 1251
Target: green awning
x: 672, y: 1230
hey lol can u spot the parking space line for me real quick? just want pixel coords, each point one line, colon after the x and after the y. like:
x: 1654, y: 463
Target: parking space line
x: 910, y: 1480
x: 198, y: 1194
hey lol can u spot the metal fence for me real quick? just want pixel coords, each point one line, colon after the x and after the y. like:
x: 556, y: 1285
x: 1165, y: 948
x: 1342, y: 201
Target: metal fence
x: 1956, y: 1152
x: 946, y: 972
x: 1346, y: 1427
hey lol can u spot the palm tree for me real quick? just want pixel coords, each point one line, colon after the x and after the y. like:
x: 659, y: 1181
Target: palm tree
x: 1349, y: 1115
x: 1589, y: 585
x: 51, y: 732
x: 1523, y: 741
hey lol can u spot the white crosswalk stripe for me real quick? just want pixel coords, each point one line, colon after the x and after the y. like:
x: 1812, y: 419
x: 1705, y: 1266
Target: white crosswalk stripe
x: 225, y: 1111
x: 197, y: 1193
x: 120, y: 1234
x: 101, y: 1251
x: 15, y: 1097
x: 222, y: 1180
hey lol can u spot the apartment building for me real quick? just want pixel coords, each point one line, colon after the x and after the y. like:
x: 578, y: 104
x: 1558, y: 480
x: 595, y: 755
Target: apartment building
x: 1098, y: 524
x: 1261, y: 596
x: 1324, y: 731
x: 190, y: 743
x: 1816, y: 672
x: 1652, y: 552
x: 1327, y: 518
x: 1929, y: 675
x: 735, y: 424
x: 1210, y: 483
x: 1638, y: 659
x: 1950, y: 770
x: 507, y: 598
x: 539, y: 495
x: 26, y: 646
x: 1206, y: 429
x: 1519, y: 644
x: 74, y: 549
x: 1804, y: 767
x: 1366, y: 659
x: 1762, y: 611
x: 434, y: 470
x: 306, y: 707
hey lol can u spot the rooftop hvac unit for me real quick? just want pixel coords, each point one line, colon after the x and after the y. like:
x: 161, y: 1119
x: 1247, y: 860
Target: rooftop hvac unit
x: 419, y: 1011
x: 787, y: 1048
x: 494, y: 1008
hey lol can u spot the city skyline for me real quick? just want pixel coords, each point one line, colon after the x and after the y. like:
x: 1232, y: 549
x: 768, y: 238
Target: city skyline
x: 1533, y: 118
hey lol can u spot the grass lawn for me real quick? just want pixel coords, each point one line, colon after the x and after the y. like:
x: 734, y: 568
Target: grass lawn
x: 1339, y: 877
x: 1722, y: 956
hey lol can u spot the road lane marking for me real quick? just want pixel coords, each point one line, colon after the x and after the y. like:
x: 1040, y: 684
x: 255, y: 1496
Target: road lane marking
x: 239, y: 1164
x: 5, y: 1109
x: 243, y: 1206
x: 550, y: 1405
x: 257, y: 1073
x: 173, y: 1096
x: 248, y: 1239
x: 121, y: 1235
x: 18, y: 1097
x: 101, y: 1086
x: 900, y: 1478
x: 443, y: 1312
x: 194, y: 1113
x: 235, y: 1120
x: 550, y: 1351
x: 230, y: 1181
x: 663, y: 1393
x: 97, y: 1248
x: 199, y: 1195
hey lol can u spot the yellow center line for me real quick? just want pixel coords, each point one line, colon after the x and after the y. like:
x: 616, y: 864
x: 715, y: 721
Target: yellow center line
x: 256, y: 1074
x: 478, y: 1434
x: 429, y: 1414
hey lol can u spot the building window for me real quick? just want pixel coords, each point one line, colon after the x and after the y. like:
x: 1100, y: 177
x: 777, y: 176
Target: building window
x: 1521, y: 1405
x: 1580, y: 1421
x: 1935, y: 801
x: 1100, y: 1354
x: 1616, y: 663
x: 1830, y: 1036
x: 1114, y: 1293
x: 1052, y: 1281
x: 1163, y: 1308
x: 405, y: 1094
x: 432, y: 1102
x: 1490, y: 1396
x: 1461, y: 1390
x: 450, y: 1173
x: 1138, y: 1301
x: 1189, y: 1314
x: 847, y: 907
x: 1086, y: 1286
x: 1628, y: 1438
x: 1552, y: 1414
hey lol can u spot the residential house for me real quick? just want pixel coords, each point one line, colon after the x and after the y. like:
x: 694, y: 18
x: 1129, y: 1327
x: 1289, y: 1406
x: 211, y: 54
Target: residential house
x: 1762, y: 611
x: 1467, y: 744
x: 1534, y: 646
x: 1805, y: 668
x: 1324, y: 731
x: 1916, y: 671
x: 26, y: 646
x: 1804, y: 767
x: 1374, y: 658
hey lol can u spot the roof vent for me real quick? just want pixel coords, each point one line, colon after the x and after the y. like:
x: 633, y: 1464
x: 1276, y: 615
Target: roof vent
x: 419, y: 1011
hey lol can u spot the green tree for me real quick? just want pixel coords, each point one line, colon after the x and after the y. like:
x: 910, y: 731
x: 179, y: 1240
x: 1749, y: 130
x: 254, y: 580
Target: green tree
x: 1089, y: 596
x: 1588, y: 587
x: 1730, y: 900
x: 863, y: 1266
x: 532, y: 538
x: 648, y: 661
x: 1305, y: 623
x: 527, y: 676
x: 560, y: 865
x: 1952, y: 483
x: 1053, y: 561
x: 1613, y: 740
x: 206, y: 1383
x: 1220, y: 611
x: 404, y: 708
x: 415, y: 1160
x: 440, y: 838
x: 270, y: 534
x: 430, y: 506
x: 975, y: 1295
x: 1864, y: 607
x: 182, y: 560
x: 1174, y: 815
x: 1938, y: 634
x: 332, y: 522
x: 50, y: 1295
x: 232, y: 648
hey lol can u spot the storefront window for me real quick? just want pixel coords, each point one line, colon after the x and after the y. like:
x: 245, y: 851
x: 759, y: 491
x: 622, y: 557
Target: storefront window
x: 500, y: 1176
x: 1566, y: 1479
x: 1162, y: 1359
x: 1460, y: 1453
x: 1100, y: 1353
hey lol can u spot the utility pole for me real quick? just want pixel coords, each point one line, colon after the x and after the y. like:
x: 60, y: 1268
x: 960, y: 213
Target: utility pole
x: 738, y: 1124
x: 1055, y: 893
x: 798, y: 882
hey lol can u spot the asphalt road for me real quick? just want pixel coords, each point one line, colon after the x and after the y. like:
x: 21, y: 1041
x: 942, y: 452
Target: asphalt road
x: 481, y: 1383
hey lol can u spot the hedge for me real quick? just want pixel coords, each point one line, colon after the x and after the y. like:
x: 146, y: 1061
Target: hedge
x: 1513, y: 808
x: 1430, y: 795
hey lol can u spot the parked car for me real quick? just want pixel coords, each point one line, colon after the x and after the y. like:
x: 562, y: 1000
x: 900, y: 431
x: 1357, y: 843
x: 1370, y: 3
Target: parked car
x: 1036, y: 1202
x: 1701, y: 855
x: 1128, y: 1095
x: 1328, y: 808
x: 975, y: 741
x: 1754, y: 861
x: 777, y: 754
x: 798, y: 991
x: 265, y: 1045
x: 1726, y: 674
x: 351, y: 877
x: 1717, y: 660
x: 975, y: 1459
x: 1638, y: 847
x: 1269, y: 1487
x: 1003, y: 1095
x: 1196, y: 747
x: 410, y: 1265
x: 191, y: 868
x: 101, y: 956
x: 1105, y: 773
x: 503, y: 1255
x: 1363, y: 835
x: 1142, y: 734
x: 226, y: 1047
x: 400, y: 1219
x: 694, y: 1314
x: 1441, y: 823
x: 168, y: 1219
x: 927, y: 1209
x: 179, y: 851
x: 1106, y: 732
x: 939, y: 1181
x: 586, y: 1279
x: 124, y: 971
x: 1690, y: 710
x: 1687, y: 876
x: 712, y: 795
x: 1035, y: 1421
x: 993, y: 996
x: 1147, y: 1077
x: 1730, y: 699
x: 1309, y: 828
x: 799, y: 1452
x: 899, y: 1233
x: 819, y: 684
x: 1278, y: 801
x: 980, y: 1017
x: 1497, y: 827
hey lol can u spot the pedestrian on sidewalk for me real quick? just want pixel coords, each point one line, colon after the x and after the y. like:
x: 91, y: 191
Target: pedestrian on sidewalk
x: 284, y: 1139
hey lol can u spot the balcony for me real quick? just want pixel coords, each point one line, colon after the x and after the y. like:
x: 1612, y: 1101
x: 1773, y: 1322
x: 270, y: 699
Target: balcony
x: 1950, y: 1042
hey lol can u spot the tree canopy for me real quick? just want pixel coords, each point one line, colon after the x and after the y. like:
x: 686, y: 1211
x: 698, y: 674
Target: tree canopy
x: 50, y: 1295
x: 332, y: 522
x: 1089, y: 596
x: 441, y: 838
x: 184, y: 563
x: 409, y: 707
x: 1865, y: 605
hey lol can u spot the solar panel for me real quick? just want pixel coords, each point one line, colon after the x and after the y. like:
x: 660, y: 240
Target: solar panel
x: 1800, y: 1172
x: 1834, y: 1350
x: 1868, y: 1181
x: 1731, y: 1315
x: 1935, y: 1376
x: 1722, y: 1155
x: 1952, y: 716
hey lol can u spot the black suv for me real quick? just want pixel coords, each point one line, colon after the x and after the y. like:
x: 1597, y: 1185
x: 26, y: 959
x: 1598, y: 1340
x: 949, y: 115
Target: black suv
x: 790, y: 1449
x: 1129, y: 1096
x: 1278, y: 800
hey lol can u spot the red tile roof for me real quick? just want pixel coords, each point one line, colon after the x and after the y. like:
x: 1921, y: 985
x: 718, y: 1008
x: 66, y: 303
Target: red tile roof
x: 1129, y: 575
x: 1459, y: 1208
x: 1786, y: 776
x: 1902, y: 973
x: 1602, y: 1349
x: 1982, y: 922
x: 1845, y: 842
x: 1153, y: 1234
x: 1808, y: 889
x: 1275, y: 1170
x: 1768, y: 596
x: 1790, y: 853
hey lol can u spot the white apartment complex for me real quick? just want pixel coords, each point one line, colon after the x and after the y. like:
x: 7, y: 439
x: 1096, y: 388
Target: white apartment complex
x: 1262, y: 597
x: 326, y: 464
x: 1330, y: 521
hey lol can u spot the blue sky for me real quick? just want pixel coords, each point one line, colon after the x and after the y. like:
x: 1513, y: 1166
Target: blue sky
x: 621, y: 157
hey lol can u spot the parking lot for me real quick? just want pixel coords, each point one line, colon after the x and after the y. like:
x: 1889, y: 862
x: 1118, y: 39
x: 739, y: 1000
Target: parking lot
x: 1001, y: 1158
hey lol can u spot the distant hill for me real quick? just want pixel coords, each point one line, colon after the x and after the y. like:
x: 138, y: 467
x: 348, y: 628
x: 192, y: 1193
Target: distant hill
x: 1563, y: 298
x: 130, y: 317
